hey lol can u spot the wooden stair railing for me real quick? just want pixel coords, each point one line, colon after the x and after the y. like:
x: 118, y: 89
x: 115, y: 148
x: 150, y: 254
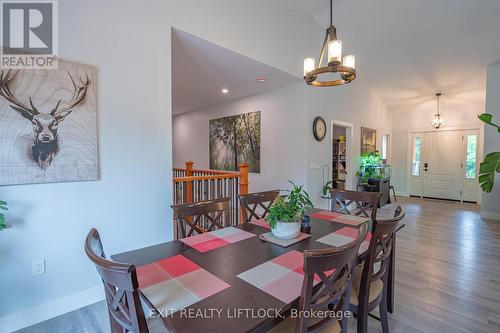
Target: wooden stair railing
x: 193, y: 185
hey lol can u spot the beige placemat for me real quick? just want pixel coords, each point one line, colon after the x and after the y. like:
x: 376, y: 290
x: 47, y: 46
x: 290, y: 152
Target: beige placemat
x: 269, y: 237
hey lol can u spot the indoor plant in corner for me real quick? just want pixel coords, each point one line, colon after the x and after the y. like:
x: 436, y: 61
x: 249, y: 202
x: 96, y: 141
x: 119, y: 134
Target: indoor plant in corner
x: 286, y: 213
x: 491, y: 164
x: 3, y: 206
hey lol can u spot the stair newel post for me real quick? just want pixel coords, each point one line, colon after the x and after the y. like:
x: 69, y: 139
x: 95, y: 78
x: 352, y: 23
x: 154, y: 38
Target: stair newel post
x: 243, y: 184
x: 189, y: 184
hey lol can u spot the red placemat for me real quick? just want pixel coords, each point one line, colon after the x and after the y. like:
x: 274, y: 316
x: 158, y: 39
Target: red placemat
x: 261, y: 223
x: 280, y: 277
x: 215, y: 239
x: 175, y: 283
x: 340, y: 218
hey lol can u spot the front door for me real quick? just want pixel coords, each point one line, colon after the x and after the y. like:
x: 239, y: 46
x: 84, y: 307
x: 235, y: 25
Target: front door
x: 442, y: 164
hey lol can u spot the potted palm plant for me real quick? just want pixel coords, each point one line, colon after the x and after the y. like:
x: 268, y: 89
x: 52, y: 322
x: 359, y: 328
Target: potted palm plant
x: 286, y: 213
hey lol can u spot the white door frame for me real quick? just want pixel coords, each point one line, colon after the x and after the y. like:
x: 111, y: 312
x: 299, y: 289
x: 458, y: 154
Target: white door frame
x: 409, y: 149
x: 349, y: 185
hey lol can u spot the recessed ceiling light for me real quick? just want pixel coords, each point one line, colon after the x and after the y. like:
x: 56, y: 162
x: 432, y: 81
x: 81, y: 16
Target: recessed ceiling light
x: 261, y: 80
x: 225, y: 91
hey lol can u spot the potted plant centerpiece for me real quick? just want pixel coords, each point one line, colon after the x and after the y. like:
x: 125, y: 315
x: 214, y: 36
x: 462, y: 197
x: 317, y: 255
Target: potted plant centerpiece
x: 286, y: 213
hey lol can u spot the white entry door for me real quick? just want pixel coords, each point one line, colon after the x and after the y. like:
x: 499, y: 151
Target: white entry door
x: 443, y: 165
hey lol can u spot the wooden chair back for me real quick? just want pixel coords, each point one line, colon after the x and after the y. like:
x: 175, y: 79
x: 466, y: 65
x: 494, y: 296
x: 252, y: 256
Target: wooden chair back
x: 251, y: 202
x: 202, y: 216
x: 121, y: 288
x: 363, y: 202
x: 378, y: 259
x: 334, y: 292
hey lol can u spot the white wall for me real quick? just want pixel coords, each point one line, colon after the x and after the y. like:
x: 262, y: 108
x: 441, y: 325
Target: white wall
x: 129, y: 42
x: 283, y: 136
x: 355, y: 104
x: 491, y: 201
x: 419, y: 119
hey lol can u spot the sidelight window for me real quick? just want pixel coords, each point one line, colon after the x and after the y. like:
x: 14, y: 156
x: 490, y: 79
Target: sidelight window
x: 417, y: 148
x: 470, y: 163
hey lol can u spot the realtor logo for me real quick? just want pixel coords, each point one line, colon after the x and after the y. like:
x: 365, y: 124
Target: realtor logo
x: 29, y: 34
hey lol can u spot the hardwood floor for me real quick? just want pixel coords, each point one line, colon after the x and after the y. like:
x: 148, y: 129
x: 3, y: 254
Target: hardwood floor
x: 447, y: 276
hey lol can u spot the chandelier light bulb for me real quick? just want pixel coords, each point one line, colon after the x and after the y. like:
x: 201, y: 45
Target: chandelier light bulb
x: 335, y: 51
x: 349, y: 61
x: 309, y: 65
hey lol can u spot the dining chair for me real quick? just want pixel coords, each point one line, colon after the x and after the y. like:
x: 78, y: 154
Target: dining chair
x: 363, y: 204
x: 121, y: 288
x: 256, y: 205
x: 202, y: 216
x: 370, y: 282
x: 334, y: 266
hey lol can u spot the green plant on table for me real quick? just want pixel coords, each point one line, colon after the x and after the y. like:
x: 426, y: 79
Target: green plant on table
x: 327, y: 187
x: 3, y: 206
x: 491, y: 163
x: 291, y: 207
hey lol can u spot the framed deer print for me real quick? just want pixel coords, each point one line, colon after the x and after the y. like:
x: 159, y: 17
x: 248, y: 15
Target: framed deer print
x: 48, y: 125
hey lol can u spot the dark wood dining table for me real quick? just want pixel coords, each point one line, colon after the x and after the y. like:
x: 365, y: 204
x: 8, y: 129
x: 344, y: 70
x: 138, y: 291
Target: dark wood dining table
x: 226, y: 263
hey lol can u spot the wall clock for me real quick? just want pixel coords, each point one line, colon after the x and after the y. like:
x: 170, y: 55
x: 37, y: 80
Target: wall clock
x: 319, y: 128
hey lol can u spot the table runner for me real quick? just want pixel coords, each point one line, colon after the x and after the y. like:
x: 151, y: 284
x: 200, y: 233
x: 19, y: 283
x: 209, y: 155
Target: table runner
x: 216, y: 239
x: 175, y: 283
x: 280, y: 277
x: 340, y: 217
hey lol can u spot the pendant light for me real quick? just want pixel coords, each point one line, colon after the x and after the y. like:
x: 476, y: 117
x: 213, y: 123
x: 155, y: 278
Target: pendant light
x: 437, y: 122
x: 343, y: 67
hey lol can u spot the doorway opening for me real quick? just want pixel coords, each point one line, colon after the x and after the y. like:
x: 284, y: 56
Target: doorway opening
x: 341, y: 166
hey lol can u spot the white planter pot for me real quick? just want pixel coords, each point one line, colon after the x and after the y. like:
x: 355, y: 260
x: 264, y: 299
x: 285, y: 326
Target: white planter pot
x: 286, y: 230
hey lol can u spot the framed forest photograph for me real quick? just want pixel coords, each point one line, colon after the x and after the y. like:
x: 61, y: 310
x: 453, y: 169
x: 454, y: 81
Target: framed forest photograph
x: 234, y: 140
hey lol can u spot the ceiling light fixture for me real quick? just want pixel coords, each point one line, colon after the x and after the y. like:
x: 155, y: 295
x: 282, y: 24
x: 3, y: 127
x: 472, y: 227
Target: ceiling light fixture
x: 345, y: 67
x: 225, y: 91
x: 437, y: 122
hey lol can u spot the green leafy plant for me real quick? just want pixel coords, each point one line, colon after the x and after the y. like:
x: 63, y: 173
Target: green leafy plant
x: 491, y: 163
x: 367, y: 160
x: 327, y: 187
x: 291, y: 207
x: 3, y: 206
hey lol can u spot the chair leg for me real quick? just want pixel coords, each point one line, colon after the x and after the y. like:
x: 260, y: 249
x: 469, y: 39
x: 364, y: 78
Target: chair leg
x: 394, y: 194
x: 362, y: 318
x: 384, y: 320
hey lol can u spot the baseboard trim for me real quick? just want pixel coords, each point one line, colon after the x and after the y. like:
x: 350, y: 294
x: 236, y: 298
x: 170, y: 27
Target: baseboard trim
x: 490, y: 215
x: 402, y: 194
x: 57, y: 307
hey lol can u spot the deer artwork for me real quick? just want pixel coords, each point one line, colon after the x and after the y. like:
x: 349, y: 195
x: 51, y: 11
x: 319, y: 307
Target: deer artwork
x: 45, y: 142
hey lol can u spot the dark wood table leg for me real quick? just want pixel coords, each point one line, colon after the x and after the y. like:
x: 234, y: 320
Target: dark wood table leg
x: 391, y: 278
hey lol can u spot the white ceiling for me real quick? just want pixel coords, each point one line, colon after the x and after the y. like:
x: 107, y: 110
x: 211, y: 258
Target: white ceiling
x: 408, y: 49
x: 308, y: 7
x: 200, y: 70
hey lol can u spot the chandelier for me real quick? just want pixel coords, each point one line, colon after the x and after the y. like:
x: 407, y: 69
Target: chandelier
x: 342, y: 68
x: 437, y: 122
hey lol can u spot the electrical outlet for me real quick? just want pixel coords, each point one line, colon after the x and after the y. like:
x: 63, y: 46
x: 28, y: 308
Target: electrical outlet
x: 38, y: 267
